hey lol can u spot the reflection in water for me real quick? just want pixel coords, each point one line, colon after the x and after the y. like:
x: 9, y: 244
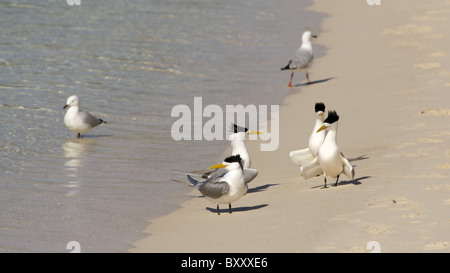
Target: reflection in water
x: 75, y: 151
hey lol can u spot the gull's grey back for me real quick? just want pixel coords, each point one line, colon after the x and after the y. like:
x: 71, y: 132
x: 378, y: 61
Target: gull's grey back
x: 90, y: 119
x: 301, y: 59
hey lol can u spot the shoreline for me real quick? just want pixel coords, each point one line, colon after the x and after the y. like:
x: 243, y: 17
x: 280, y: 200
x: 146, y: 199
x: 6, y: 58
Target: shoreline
x: 388, y: 74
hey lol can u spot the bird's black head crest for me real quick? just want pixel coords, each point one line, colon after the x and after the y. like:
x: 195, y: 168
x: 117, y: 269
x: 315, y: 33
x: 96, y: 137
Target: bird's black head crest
x: 320, y: 106
x: 238, y: 129
x: 332, y: 117
x: 233, y: 158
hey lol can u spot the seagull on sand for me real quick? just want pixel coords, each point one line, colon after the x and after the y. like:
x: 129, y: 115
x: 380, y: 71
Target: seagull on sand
x: 224, y: 188
x: 79, y: 121
x: 303, y: 57
x: 307, y: 155
x: 329, y: 161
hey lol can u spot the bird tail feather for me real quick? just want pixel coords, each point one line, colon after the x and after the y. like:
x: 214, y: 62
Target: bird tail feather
x: 287, y: 66
x: 193, y: 181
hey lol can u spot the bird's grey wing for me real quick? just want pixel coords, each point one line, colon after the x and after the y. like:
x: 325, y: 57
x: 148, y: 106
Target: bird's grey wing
x: 201, y: 172
x: 214, y: 189
x: 214, y: 175
x: 194, y: 181
x: 89, y: 119
x: 362, y: 157
x: 205, y: 174
x: 301, y: 59
x: 249, y: 175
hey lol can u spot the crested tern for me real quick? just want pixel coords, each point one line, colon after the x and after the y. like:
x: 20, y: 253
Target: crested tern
x: 238, y: 143
x: 329, y: 159
x: 224, y: 188
x: 307, y: 155
x: 79, y: 121
x: 302, y: 59
x: 237, y: 138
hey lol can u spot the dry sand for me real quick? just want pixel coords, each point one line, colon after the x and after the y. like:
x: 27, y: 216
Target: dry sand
x: 390, y: 80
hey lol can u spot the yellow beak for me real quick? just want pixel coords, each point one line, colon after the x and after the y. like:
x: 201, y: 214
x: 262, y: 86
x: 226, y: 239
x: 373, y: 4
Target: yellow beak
x: 254, y: 132
x: 322, y: 128
x: 218, y: 166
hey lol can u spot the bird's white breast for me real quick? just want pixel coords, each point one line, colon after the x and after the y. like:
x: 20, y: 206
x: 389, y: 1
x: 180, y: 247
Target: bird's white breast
x: 238, y: 187
x: 74, y: 122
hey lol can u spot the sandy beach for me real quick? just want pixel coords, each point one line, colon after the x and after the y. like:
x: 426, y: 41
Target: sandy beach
x: 386, y: 72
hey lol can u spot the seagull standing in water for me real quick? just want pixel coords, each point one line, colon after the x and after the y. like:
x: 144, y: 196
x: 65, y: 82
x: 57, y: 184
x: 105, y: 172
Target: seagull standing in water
x: 224, y: 188
x: 302, y: 60
x: 329, y: 159
x: 79, y: 121
x: 307, y: 155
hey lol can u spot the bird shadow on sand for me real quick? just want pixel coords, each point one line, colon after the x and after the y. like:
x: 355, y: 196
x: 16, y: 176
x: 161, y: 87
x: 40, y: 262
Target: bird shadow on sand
x: 260, y: 188
x: 356, y: 181
x: 331, y: 183
x: 313, y: 82
x: 236, y: 209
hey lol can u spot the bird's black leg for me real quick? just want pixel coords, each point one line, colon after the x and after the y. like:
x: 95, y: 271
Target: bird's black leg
x: 229, y: 207
x: 337, y: 179
x: 325, y: 181
x: 218, y: 211
x: 79, y: 135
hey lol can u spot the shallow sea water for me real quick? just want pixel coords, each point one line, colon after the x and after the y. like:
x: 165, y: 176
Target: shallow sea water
x: 130, y: 63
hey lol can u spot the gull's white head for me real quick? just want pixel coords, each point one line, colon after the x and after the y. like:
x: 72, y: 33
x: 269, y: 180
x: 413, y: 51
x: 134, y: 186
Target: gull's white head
x: 306, y: 37
x: 72, y: 101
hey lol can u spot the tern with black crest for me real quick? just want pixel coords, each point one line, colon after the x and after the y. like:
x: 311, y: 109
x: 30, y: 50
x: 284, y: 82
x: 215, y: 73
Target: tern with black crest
x: 237, y: 138
x: 303, y: 156
x: 329, y: 161
x: 224, y: 188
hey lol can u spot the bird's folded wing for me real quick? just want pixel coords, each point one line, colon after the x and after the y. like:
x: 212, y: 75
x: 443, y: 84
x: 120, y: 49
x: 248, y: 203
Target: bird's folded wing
x: 301, y: 59
x: 204, y: 174
x: 214, y: 189
x: 89, y: 119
